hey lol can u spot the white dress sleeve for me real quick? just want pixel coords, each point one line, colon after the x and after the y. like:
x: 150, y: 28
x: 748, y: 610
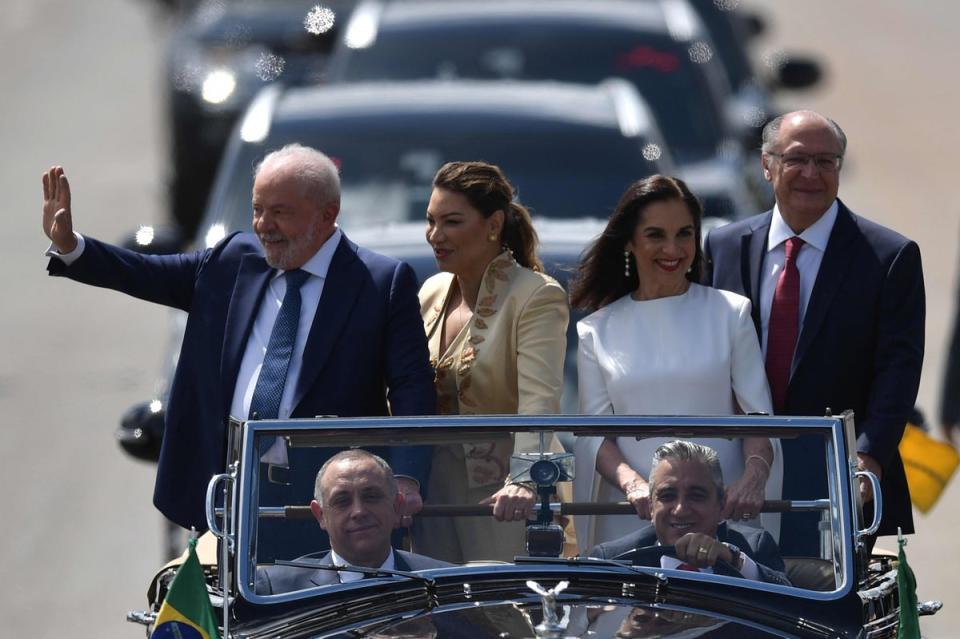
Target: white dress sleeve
x: 748, y: 376
x: 591, y: 387
x: 594, y: 400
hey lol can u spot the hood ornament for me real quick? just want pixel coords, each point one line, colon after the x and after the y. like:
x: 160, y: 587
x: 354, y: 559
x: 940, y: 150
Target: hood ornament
x: 552, y: 626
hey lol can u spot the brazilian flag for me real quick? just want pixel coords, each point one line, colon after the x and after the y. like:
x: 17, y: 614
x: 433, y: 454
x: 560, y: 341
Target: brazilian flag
x: 186, y: 612
x: 909, y: 627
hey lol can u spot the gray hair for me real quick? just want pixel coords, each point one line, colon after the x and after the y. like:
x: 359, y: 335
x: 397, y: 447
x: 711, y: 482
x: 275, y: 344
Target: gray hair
x: 772, y: 131
x: 356, y: 454
x: 316, y: 172
x: 680, y: 450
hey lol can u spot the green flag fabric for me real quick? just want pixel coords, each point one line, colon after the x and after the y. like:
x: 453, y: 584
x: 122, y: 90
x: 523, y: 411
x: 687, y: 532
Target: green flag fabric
x: 186, y: 612
x: 909, y: 627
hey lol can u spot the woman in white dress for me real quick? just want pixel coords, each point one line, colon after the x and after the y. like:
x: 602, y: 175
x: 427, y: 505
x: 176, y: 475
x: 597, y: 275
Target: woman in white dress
x: 658, y: 343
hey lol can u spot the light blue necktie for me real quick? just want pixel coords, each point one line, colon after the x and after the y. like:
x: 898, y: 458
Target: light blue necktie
x: 265, y: 403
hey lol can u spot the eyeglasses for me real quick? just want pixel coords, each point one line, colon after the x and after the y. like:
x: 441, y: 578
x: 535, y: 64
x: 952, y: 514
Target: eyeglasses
x: 797, y: 161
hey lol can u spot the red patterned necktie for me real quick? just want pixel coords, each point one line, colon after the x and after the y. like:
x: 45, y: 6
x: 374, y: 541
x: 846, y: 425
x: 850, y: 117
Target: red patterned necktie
x: 784, y: 326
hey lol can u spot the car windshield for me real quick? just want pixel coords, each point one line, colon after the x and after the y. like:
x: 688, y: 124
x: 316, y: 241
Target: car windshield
x: 677, y: 88
x: 290, y: 514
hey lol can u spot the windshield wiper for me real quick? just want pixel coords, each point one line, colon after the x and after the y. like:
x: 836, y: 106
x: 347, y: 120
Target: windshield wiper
x: 428, y: 582
x: 581, y: 561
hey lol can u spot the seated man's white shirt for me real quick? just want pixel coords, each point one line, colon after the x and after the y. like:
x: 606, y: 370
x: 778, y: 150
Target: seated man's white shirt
x: 749, y: 569
x: 347, y: 576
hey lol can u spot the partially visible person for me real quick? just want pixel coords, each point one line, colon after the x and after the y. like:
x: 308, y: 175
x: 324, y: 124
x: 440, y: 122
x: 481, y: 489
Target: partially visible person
x: 839, y: 305
x: 294, y: 321
x: 496, y: 327
x: 658, y: 343
x: 950, y: 392
x: 688, y: 496
x: 357, y: 503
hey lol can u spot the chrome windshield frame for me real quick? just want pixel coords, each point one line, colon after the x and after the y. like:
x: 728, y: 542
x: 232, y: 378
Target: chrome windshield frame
x: 838, y: 447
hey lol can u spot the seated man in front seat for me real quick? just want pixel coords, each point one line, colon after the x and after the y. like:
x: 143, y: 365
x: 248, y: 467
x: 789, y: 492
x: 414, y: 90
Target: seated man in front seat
x: 687, y: 498
x: 357, y: 503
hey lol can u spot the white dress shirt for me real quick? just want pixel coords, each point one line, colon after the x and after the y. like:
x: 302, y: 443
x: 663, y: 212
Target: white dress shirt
x: 749, y: 568
x: 348, y: 576
x: 815, y: 239
x: 256, y: 347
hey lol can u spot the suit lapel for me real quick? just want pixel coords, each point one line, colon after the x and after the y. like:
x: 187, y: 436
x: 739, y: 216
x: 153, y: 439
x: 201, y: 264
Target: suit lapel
x: 837, y: 260
x: 433, y: 312
x: 324, y: 577
x: 399, y: 562
x: 340, y: 290
x: 252, y: 280
x: 754, y: 244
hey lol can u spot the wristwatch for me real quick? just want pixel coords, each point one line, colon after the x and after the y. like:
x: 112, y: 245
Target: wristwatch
x: 737, y: 556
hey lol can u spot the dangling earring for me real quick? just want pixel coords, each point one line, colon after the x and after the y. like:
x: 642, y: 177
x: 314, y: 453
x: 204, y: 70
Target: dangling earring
x: 626, y: 263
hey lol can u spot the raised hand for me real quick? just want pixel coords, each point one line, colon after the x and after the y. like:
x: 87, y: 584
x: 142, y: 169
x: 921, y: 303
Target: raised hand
x: 57, y: 221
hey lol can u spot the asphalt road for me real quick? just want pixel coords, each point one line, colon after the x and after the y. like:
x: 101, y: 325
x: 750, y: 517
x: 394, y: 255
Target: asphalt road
x: 81, y: 82
x: 78, y: 533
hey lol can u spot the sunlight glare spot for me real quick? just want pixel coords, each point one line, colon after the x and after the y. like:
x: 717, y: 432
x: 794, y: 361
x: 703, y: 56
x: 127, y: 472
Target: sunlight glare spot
x: 218, y: 86
x: 269, y: 67
x: 144, y: 235
x: 755, y: 117
x: 726, y: 5
x: 216, y: 233
x: 700, y: 52
x: 319, y: 20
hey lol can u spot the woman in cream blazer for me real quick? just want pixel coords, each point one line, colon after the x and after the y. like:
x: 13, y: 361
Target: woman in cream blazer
x: 496, y: 327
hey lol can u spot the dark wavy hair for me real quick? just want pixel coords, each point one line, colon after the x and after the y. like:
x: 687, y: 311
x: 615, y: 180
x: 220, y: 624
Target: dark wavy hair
x: 599, y: 279
x: 488, y: 190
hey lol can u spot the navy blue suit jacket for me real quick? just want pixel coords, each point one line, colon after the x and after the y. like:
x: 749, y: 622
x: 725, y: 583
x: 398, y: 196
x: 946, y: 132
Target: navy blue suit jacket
x: 756, y: 543
x: 861, y: 346
x: 273, y: 580
x: 366, y: 346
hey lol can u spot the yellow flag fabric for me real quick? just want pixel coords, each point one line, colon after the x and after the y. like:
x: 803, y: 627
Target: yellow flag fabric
x: 929, y: 464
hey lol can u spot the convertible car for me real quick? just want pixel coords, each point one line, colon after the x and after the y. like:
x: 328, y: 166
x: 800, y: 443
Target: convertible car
x: 561, y: 584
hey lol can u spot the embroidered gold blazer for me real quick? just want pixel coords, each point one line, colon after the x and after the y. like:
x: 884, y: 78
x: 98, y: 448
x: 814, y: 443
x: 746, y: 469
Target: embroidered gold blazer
x: 511, y: 359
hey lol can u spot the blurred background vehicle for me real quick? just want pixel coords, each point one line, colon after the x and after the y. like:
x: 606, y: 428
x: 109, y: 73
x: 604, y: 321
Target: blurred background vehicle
x: 220, y: 54
x: 661, y: 46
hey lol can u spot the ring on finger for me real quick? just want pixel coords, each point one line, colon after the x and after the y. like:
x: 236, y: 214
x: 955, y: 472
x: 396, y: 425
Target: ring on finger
x: 701, y: 550
x: 747, y: 516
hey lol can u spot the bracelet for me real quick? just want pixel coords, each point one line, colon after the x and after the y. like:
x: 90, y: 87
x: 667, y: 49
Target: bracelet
x: 529, y: 485
x: 765, y: 462
x: 633, y: 485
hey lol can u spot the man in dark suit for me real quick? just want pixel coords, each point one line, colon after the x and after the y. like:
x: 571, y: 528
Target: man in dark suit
x: 351, y: 341
x: 357, y: 503
x: 839, y: 306
x: 687, y: 499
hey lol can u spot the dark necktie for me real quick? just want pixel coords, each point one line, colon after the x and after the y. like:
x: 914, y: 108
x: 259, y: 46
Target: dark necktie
x: 265, y: 403
x: 784, y: 326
